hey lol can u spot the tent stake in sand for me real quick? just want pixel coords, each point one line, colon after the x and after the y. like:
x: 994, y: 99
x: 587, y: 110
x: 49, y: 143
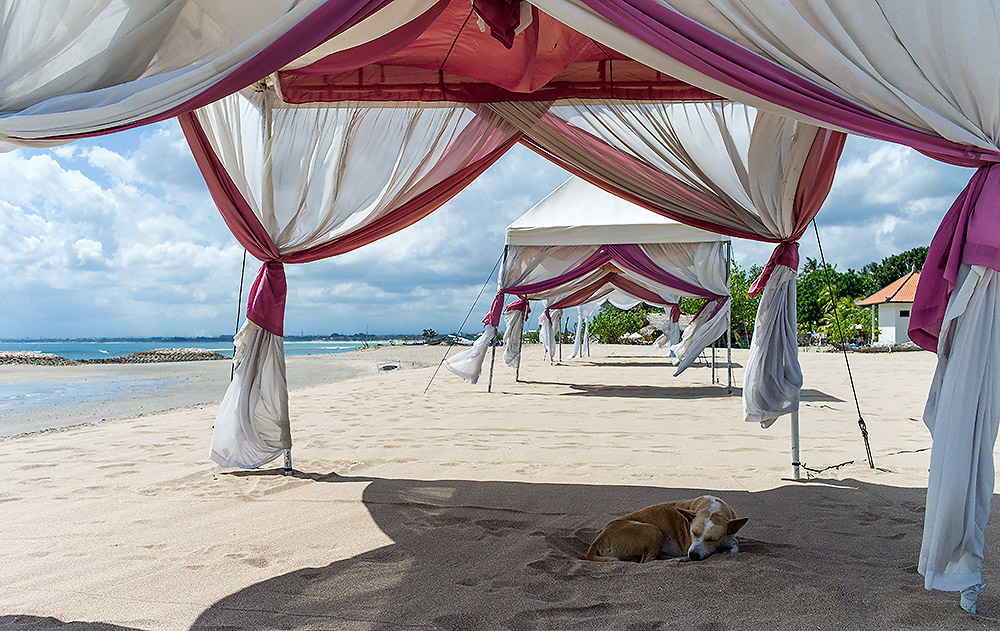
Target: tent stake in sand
x: 795, y: 445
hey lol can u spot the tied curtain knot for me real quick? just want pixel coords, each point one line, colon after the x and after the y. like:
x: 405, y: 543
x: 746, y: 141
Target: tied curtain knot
x: 785, y: 253
x: 266, y: 303
x: 521, y: 304
x: 493, y: 317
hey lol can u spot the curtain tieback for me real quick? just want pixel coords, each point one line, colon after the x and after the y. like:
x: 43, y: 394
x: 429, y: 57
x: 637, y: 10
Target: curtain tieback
x: 266, y: 303
x: 785, y: 253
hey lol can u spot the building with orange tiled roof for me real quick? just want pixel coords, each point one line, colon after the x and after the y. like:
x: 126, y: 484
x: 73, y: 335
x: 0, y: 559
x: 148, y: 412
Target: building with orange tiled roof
x: 891, y: 306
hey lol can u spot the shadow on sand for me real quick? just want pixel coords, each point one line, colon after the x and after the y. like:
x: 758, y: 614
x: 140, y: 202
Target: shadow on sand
x: 508, y: 555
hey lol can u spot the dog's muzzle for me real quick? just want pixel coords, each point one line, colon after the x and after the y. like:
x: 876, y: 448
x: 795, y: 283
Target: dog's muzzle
x: 697, y: 552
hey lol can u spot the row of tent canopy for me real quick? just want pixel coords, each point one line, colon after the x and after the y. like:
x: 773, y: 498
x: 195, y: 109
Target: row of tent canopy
x: 366, y: 115
x: 581, y: 246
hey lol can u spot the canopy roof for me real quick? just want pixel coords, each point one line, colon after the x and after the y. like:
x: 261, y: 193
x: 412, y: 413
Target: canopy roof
x: 439, y: 56
x: 579, y: 213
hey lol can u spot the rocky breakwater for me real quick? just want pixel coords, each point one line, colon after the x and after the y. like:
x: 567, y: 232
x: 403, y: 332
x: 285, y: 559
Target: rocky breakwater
x: 143, y: 357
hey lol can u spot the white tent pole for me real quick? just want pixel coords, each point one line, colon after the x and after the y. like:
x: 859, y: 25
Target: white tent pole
x: 729, y: 330
x: 795, y: 444
x: 267, y: 198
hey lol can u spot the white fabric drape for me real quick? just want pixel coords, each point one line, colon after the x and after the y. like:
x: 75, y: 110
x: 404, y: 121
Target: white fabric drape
x: 311, y: 175
x: 514, y: 323
x: 581, y: 342
x: 548, y: 326
x: 704, y: 329
x: 962, y: 414
x: 256, y: 428
x: 779, y: 376
x: 468, y: 364
x: 70, y: 67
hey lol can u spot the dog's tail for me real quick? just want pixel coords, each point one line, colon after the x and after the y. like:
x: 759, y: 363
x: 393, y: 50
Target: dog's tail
x: 594, y: 552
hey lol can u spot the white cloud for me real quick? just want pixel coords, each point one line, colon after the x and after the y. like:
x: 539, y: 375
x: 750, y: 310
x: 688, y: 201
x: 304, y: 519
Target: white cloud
x: 118, y: 236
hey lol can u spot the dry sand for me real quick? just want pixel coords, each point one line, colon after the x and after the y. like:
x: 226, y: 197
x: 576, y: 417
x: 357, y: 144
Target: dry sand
x: 462, y: 509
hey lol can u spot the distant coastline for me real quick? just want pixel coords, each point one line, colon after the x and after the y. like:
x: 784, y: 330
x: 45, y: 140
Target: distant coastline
x: 333, y: 337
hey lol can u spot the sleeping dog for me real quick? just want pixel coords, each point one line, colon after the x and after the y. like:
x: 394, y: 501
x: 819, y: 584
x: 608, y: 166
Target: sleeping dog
x: 688, y: 530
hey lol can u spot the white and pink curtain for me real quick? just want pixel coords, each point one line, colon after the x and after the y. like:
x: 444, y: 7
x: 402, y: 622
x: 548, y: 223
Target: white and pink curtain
x: 72, y: 68
x: 301, y: 184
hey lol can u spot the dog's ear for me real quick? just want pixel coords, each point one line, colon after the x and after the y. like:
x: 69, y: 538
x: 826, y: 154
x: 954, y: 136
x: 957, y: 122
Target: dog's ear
x: 734, y: 525
x: 687, y: 514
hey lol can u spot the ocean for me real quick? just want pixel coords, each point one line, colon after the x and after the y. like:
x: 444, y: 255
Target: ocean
x: 89, y: 349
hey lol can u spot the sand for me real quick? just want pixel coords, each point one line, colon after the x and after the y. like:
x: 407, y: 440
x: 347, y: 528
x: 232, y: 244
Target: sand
x: 462, y: 509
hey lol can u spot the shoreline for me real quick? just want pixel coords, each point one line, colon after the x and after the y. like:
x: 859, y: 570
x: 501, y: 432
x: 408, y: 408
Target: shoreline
x: 42, y: 397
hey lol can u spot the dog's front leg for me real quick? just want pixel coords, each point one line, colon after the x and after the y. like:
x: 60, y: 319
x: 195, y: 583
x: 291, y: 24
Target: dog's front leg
x: 677, y: 559
x: 733, y: 546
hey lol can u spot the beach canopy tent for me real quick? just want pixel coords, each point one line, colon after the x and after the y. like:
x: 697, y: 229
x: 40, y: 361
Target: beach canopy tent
x: 581, y: 244
x: 73, y: 68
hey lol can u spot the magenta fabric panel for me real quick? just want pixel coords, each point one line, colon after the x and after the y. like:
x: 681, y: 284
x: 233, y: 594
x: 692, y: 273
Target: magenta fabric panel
x: 787, y: 254
x: 583, y: 295
x: 501, y: 16
x: 638, y: 291
x: 675, y: 312
x: 329, y: 20
x: 493, y: 317
x: 594, y: 261
x: 723, y: 60
x: 633, y: 258
x: 371, y: 52
x: 521, y: 304
x: 969, y: 234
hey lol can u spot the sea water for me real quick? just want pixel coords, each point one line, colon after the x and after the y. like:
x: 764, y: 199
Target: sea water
x: 29, y: 397
x: 91, y: 349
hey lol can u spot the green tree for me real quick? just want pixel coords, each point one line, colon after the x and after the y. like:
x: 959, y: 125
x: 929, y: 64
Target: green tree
x: 744, y: 306
x: 894, y: 267
x: 610, y: 323
x: 430, y: 334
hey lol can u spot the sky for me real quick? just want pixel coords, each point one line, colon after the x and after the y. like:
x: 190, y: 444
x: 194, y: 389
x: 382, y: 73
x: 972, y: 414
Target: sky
x: 117, y: 236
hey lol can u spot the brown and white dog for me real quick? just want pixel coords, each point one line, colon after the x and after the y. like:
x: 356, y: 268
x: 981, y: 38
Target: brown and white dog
x: 688, y: 530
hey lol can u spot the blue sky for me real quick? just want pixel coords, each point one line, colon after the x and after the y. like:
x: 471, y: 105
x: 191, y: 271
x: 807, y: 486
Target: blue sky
x: 117, y: 236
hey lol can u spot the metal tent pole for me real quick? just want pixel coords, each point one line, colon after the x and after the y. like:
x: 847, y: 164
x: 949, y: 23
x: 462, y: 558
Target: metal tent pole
x: 713, y: 362
x: 729, y: 329
x: 795, y: 445
x: 493, y: 358
x: 520, y: 351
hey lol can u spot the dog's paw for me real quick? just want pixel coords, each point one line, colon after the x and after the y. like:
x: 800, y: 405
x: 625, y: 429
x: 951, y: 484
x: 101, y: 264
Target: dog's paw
x: 734, y: 546
x: 677, y: 559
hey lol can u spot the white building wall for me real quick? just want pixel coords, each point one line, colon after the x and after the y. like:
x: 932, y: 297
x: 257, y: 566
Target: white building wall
x: 892, y: 322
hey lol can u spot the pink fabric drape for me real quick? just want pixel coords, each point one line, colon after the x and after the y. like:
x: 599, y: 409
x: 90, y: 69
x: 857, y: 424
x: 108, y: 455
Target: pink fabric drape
x: 266, y: 302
